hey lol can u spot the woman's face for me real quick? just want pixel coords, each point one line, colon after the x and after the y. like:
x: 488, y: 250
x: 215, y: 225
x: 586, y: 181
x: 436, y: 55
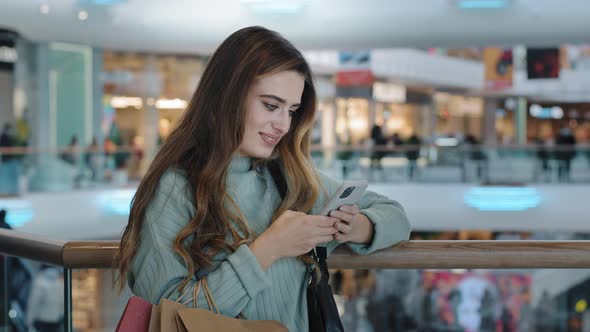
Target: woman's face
x: 271, y: 102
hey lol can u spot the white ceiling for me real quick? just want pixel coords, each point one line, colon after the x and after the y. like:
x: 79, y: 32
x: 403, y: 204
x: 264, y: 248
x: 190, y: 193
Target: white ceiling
x: 187, y: 26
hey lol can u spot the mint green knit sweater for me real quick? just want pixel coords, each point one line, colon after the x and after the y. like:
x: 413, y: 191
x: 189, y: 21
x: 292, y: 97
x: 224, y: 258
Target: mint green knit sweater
x: 237, y: 282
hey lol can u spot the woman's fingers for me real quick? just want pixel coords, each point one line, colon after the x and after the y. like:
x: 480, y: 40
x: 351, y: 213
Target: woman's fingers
x: 343, y: 227
x: 340, y: 237
x: 352, y: 209
x: 344, y: 216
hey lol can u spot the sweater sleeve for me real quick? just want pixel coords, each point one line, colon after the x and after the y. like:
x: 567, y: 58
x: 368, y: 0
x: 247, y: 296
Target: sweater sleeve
x: 157, y: 270
x: 387, y: 216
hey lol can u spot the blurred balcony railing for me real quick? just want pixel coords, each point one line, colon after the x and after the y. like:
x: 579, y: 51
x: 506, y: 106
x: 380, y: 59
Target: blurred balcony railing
x: 430, y: 163
x: 25, y: 170
x: 85, y: 256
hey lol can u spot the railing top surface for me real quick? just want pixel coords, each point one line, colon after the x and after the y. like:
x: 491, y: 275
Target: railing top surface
x: 405, y: 255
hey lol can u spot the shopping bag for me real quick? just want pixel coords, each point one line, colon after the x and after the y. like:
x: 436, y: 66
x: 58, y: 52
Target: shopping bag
x: 136, y: 316
x: 200, y: 320
x: 155, y: 319
x: 173, y: 316
x: 168, y: 316
x: 142, y: 316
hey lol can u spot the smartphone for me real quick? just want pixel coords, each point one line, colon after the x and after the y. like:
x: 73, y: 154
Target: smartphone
x: 347, y: 194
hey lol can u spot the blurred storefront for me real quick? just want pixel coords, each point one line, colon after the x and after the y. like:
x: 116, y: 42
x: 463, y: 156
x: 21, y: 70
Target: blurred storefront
x: 545, y: 120
x: 136, y: 82
x: 144, y: 98
x: 459, y: 115
x: 396, y: 108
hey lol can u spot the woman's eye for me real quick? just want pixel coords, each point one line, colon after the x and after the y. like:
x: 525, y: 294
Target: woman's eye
x: 270, y: 107
x: 292, y: 113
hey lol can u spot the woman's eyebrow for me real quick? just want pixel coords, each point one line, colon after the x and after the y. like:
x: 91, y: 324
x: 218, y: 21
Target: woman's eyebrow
x: 279, y: 99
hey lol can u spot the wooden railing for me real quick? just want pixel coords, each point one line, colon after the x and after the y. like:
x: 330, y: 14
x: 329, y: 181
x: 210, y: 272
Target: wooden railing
x: 405, y: 255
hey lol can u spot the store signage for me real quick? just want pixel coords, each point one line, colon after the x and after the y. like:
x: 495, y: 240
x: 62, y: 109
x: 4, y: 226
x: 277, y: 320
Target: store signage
x: 389, y: 93
x: 537, y: 111
x: 8, y: 54
x: 354, y: 69
x: 502, y: 198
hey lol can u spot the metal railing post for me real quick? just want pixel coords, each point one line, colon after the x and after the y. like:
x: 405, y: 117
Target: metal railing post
x: 68, y: 300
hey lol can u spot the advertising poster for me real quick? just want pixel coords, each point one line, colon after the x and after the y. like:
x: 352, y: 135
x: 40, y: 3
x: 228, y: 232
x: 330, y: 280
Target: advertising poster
x: 498, y: 68
x: 476, y: 302
x: 542, y: 63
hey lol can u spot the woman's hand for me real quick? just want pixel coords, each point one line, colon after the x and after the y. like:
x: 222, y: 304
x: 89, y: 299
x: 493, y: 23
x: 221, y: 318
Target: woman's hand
x: 291, y: 235
x: 352, y: 225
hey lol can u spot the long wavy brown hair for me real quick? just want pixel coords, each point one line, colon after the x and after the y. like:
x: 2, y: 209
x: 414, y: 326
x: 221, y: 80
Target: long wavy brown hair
x: 206, y: 139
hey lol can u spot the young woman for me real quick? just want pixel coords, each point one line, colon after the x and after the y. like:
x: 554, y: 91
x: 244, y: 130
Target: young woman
x: 208, y: 206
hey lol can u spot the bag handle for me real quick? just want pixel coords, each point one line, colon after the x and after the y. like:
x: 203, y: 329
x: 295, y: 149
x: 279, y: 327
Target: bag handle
x: 209, y: 297
x: 183, y: 295
x: 207, y: 292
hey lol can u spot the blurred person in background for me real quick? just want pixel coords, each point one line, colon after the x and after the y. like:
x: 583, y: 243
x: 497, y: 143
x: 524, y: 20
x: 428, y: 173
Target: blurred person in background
x: 487, y: 312
x: 542, y: 170
x: 396, y: 140
x: 45, y: 307
x: 358, y: 287
x: 565, y: 151
x: 345, y: 155
x: 109, y: 158
x: 7, y: 140
x: 93, y: 158
x: 393, y: 293
x: 70, y: 155
x: 477, y: 156
x: 379, y: 143
x: 10, y: 167
x: 136, y: 158
x: 454, y: 297
x: 429, y: 308
x: 22, y: 128
x: 73, y: 156
x: 412, y: 154
x: 209, y: 205
x: 3, y: 223
x: 545, y: 314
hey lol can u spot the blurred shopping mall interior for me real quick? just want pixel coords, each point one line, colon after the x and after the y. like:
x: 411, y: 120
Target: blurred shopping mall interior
x: 473, y: 114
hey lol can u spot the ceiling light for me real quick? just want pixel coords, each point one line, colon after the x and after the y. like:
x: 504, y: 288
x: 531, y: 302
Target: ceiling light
x: 44, y: 9
x: 82, y: 15
x: 502, y: 198
x: 107, y: 2
x: 275, y: 7
x: 482, y: 4
x: 124, y: 102
x: 175, y: 103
